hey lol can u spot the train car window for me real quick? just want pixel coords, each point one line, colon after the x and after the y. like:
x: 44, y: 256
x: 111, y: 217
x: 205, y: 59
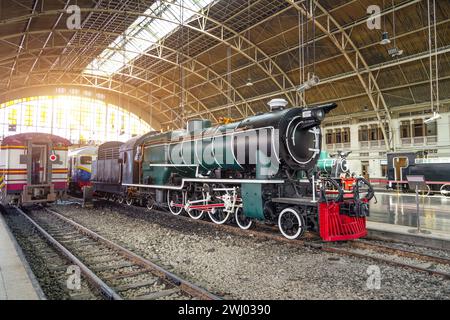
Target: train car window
x: 86, y: 160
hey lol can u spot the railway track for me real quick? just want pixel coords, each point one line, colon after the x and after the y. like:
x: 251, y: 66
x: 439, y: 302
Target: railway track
x: 116, y: 272
x: 360, y: 248
x: 263, y: 232
x: 46, y: 262
x: 432, y: 264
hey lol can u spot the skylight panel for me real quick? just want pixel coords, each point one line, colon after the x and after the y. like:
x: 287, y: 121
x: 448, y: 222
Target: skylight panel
x: 144, y: 33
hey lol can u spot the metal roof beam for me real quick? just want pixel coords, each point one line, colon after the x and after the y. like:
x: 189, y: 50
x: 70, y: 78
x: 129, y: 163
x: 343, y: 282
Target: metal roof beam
x: 371, y: 86
x: 423, y: 55
x: 236, y: 41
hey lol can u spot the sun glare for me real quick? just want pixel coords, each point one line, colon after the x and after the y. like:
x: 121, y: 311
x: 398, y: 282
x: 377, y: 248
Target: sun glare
x: 81, y: 120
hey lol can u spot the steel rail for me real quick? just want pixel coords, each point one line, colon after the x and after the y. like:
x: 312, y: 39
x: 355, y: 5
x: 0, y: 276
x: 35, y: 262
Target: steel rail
x: 311, y: 241
x: 361, y: 244
x: 385, y: 260
x: 182, y: 284
x: 104, y: 289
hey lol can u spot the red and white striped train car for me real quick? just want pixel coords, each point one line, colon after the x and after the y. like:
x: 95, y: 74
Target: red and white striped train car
x: 33, y: 168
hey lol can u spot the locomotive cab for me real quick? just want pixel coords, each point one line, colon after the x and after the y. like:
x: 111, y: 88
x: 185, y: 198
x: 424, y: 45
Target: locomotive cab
x: 80, y: 167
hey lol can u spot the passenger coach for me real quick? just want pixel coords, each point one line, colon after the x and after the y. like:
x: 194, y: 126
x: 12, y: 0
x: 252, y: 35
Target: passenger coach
x: 33, y: 168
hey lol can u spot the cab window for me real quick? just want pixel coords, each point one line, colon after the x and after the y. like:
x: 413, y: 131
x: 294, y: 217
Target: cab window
x: 85, y: 160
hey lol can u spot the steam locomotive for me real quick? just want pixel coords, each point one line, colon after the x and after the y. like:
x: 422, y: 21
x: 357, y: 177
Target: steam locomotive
x: 436, y: 172
x: 261, y: 168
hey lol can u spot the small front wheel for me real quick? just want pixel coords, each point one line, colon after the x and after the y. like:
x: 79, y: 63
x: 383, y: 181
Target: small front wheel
x: 291, y: 223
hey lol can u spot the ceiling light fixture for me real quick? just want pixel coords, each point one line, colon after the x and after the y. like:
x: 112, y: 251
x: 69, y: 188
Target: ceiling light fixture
x: 436, y: 116
x: 395, y: 52
x: 385, y: 38
x: 313, y: 81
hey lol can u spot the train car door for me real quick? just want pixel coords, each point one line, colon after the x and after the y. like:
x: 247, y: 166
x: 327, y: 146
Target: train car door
x: 399, y: 163
x: 38, y: 168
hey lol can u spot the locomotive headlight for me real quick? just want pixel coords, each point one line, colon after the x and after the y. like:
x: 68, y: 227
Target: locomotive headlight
x: 319, y: 114
x: 315, y: 114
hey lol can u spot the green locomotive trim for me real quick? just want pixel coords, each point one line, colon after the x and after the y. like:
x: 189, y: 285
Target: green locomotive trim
x: 193, y: 155
x: 251, y: 194
x: 325, y: 162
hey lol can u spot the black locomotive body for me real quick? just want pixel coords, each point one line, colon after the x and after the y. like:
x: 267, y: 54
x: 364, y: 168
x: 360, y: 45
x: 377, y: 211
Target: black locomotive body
x: 261, y: 168
x: 107, y: 170
x: 436, y: 172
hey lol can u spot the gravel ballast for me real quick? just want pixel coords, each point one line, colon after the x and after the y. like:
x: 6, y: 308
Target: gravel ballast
x: 238, y: 267
x: 48, y: 266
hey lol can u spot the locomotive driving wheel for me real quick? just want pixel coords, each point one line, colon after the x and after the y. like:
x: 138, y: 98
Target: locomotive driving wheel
x: 219, y: 215
x: 175, y: 201
x: 242, y: 220
x: 193, y: 195
x: 291, y: 223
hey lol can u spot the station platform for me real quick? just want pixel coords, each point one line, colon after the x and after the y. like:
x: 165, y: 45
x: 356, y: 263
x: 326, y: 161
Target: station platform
x: 399, y: 233
x: 17, y: 281
x: 400, y: 209
x: 393, y: 216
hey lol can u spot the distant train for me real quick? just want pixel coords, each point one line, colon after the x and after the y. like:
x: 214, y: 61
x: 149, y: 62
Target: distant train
x: 33, y: 168
x: 435, y: 170
x: 261, y: 168
x: 80, y: 167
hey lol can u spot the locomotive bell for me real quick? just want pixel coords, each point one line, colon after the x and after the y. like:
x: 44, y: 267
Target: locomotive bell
x: 277, y: 104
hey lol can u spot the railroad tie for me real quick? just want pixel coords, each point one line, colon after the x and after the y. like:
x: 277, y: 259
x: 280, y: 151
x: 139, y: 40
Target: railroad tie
x: 115, y: 267
x: 136, y: 285
x: 157, y: 295
x: 127, y: 275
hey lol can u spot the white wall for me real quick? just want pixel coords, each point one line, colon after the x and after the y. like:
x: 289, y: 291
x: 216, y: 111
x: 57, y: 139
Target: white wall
x: 372, y: 154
